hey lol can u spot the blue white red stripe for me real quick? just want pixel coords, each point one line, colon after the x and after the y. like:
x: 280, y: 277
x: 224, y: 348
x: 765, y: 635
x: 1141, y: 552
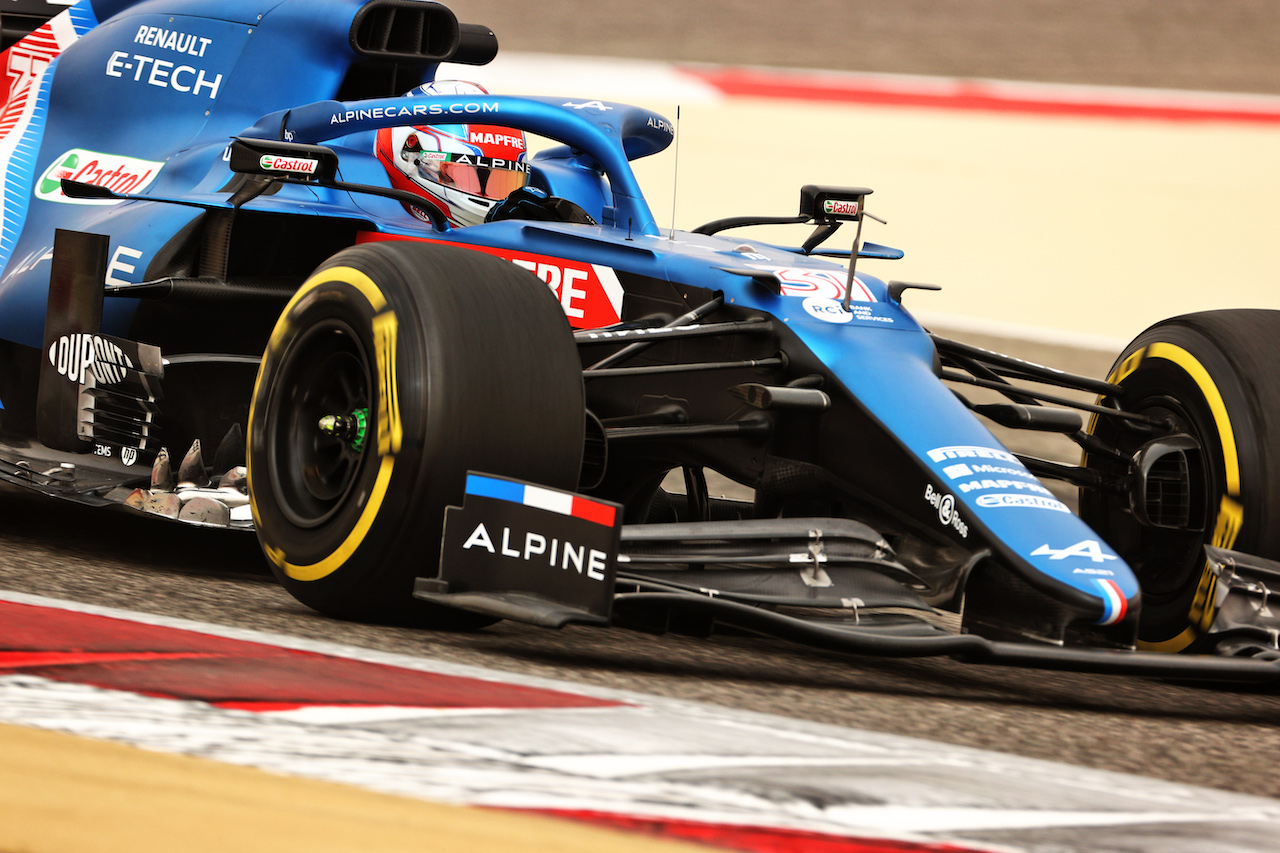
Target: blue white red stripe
x: 1114, y: 604
x: 551, y: 500
x: 24, y: 102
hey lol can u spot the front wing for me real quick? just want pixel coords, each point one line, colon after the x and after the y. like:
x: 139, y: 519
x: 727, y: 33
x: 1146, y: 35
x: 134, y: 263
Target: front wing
x: 528, y: 553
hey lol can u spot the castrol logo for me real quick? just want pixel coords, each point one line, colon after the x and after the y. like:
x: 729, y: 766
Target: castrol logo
x: 293, y: 165
x: 114, y: 172
x: 835, y: 207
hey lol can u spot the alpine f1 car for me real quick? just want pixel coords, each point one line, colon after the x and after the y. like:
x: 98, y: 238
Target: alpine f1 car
x: 238, y: 292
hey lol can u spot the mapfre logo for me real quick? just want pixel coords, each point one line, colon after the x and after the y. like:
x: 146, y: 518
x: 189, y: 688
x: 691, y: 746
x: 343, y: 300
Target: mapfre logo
x: 78, y: 356
x: 503, y: 139
x: 112, y: 171
x: 589, y: 294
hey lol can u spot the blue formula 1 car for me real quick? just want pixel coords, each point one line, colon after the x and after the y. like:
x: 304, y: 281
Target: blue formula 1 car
x: 446, y: 378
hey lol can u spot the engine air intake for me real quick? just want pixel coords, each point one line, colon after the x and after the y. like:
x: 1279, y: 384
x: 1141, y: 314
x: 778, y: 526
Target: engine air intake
x: 405, y: 30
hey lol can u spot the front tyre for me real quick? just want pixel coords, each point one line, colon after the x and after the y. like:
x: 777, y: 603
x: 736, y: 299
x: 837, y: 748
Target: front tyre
x: 1216, y: 377
x: 393, y: 370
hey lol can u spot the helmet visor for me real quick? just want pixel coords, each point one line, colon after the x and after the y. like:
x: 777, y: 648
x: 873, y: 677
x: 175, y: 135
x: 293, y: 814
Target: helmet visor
x: 486, y: 177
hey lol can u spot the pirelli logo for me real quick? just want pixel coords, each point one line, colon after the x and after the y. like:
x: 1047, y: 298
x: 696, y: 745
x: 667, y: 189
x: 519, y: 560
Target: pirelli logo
x: 390, y: 433
x: 1230, y: 520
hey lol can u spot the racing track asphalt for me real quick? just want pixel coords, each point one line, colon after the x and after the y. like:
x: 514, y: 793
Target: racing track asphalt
x: 1223, y: 45
x: 1184, y: 733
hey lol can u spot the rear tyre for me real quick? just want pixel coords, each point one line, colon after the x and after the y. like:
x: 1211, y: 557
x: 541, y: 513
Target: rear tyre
x: 1215, y: 376
x: 427, y: 361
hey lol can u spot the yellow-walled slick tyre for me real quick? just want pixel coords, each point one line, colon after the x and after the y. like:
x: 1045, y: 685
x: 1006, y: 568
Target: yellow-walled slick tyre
x: 396, y: 368
x: 1216, y: 377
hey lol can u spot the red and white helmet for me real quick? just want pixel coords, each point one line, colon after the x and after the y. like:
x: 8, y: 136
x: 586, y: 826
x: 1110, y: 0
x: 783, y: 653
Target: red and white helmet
x: 461, y: 169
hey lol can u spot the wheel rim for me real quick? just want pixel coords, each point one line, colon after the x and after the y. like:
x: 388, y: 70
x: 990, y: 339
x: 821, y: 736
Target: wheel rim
x: 1164, y: 561
x: 1168, y: 582
x: 328, y: 373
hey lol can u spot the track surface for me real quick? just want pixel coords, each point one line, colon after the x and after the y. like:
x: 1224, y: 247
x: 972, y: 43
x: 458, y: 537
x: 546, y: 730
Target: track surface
x: 1222, y: 739
x: 1224, y: 45
x: 1190, y: 734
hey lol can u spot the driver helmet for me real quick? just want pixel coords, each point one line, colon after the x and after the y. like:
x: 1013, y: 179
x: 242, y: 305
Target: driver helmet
x: 461, y: 169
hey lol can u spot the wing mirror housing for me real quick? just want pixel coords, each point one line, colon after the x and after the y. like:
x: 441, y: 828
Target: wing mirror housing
x: 825, y: 204
x: 290, y: 160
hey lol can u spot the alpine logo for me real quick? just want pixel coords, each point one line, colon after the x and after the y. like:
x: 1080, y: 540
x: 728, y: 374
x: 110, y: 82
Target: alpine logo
x: 565, y: 556
x: 112, y: 171
x: 1090, y: 548
x: 78, y: 356
x: 295, y: 165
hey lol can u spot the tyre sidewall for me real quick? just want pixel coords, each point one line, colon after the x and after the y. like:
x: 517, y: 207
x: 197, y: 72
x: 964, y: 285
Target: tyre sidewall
x: 338, y: 560
x: 472, y: 366
x: 1200, y: 368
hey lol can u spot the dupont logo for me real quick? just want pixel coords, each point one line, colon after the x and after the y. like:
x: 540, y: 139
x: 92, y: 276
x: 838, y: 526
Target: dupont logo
x: 294, y: 165
x: 78, y: 356
x: 835, y: 207
x: 112, y: 171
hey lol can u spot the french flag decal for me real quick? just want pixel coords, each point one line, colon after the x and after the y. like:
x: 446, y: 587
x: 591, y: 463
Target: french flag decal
x: 1114, y: 604
x: 555, y: 551
x: 563, y: 503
